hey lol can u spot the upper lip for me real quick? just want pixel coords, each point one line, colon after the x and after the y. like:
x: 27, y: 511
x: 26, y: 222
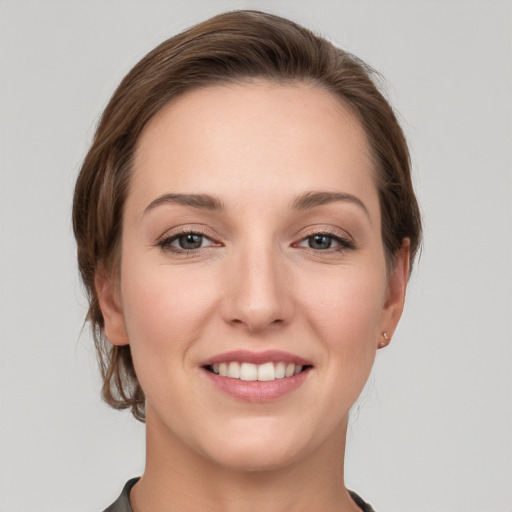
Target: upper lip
x: 247, y: 356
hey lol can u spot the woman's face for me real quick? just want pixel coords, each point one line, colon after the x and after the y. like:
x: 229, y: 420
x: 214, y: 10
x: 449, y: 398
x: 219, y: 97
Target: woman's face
x: 252, y: 249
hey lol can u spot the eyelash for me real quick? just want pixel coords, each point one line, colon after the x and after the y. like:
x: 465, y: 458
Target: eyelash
x: 344, y: 244
x: 165, y: 243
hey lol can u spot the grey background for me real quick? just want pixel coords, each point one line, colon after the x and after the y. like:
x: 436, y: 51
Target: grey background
x: 433, y: 430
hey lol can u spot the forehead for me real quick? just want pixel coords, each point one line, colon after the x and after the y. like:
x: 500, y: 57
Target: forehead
x: 253, y: 136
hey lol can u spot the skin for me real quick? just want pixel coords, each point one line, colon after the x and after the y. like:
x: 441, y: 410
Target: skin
x: 254, y: 284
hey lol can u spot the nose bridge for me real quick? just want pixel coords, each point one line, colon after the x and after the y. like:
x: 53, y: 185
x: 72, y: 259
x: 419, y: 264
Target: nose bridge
x: 259, y: 290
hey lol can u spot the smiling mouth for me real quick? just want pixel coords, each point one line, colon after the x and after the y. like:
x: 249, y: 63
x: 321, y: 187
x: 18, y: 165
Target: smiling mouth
x: 250, y: 372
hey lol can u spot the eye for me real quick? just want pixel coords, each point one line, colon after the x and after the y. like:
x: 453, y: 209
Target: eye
x: 320, y: 241
x: 186, y: 241
x: 189, y: 241
x: 326, y: 241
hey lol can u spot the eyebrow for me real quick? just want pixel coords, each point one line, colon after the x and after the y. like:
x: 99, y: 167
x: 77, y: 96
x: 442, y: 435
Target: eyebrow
x: 313, y: 199
x: 201, y: 201
x: 305, y: 201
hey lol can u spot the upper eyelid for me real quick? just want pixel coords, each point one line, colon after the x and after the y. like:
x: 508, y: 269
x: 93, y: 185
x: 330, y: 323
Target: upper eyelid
x: 325, y: 233
x: 337, y: 232
x: 175, y: 236
x: 343, y: 241
x: 177, y: 232
x: 166, y: 243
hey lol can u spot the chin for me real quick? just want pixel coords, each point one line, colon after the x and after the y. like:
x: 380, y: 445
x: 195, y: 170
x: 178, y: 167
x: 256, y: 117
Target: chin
x: 247, y: 459
x: 259, y: 447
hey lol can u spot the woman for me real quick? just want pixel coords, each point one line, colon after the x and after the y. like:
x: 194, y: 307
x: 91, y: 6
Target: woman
x: 246, y: 226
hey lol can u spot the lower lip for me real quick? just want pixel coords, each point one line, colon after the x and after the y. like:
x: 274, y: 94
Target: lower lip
x: 257, y: 391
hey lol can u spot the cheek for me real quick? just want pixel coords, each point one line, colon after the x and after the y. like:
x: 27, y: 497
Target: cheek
x: 345, y: 315
x: 165, y: 309
x: 346, y: 304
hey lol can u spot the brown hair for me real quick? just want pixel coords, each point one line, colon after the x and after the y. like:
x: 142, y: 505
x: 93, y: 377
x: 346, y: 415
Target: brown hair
x: 234, y: 46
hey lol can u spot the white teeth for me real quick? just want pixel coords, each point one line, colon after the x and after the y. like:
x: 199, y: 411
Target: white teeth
x: 280, y: 370
x: 266, y: 372
x: 249, y: 372
x: 253, y: 372
x: 234, y: 370
x: 290, y: 368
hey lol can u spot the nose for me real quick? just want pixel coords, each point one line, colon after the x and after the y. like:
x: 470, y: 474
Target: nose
x: 258, y: 294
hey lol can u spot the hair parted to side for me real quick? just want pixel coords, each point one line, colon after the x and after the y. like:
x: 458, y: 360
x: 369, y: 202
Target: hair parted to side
x: 232, y: 47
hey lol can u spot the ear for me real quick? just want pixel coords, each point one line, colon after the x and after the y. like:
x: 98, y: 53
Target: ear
x: 397, y: 284
x: 108, y: 298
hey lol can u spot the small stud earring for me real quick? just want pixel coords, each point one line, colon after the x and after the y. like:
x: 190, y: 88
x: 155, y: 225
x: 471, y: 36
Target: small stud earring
x: 386, y: 340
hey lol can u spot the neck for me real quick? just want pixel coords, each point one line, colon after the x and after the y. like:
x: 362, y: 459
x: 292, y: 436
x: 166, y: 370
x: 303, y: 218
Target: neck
x: 178, y: 478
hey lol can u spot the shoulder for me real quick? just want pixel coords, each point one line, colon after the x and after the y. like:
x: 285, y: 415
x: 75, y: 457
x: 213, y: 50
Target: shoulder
x: 122, y: 504
x: 365, y: 507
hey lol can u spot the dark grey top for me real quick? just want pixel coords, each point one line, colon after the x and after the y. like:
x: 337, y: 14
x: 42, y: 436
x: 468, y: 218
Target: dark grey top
x: 122, y: 504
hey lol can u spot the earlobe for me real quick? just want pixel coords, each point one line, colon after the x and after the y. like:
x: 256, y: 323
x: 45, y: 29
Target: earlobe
x: 114, y: 325
x: 397, y: 285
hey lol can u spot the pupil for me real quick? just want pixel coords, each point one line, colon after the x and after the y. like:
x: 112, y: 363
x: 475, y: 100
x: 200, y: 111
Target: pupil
x: 190, y: 241
x: 320, y: 242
